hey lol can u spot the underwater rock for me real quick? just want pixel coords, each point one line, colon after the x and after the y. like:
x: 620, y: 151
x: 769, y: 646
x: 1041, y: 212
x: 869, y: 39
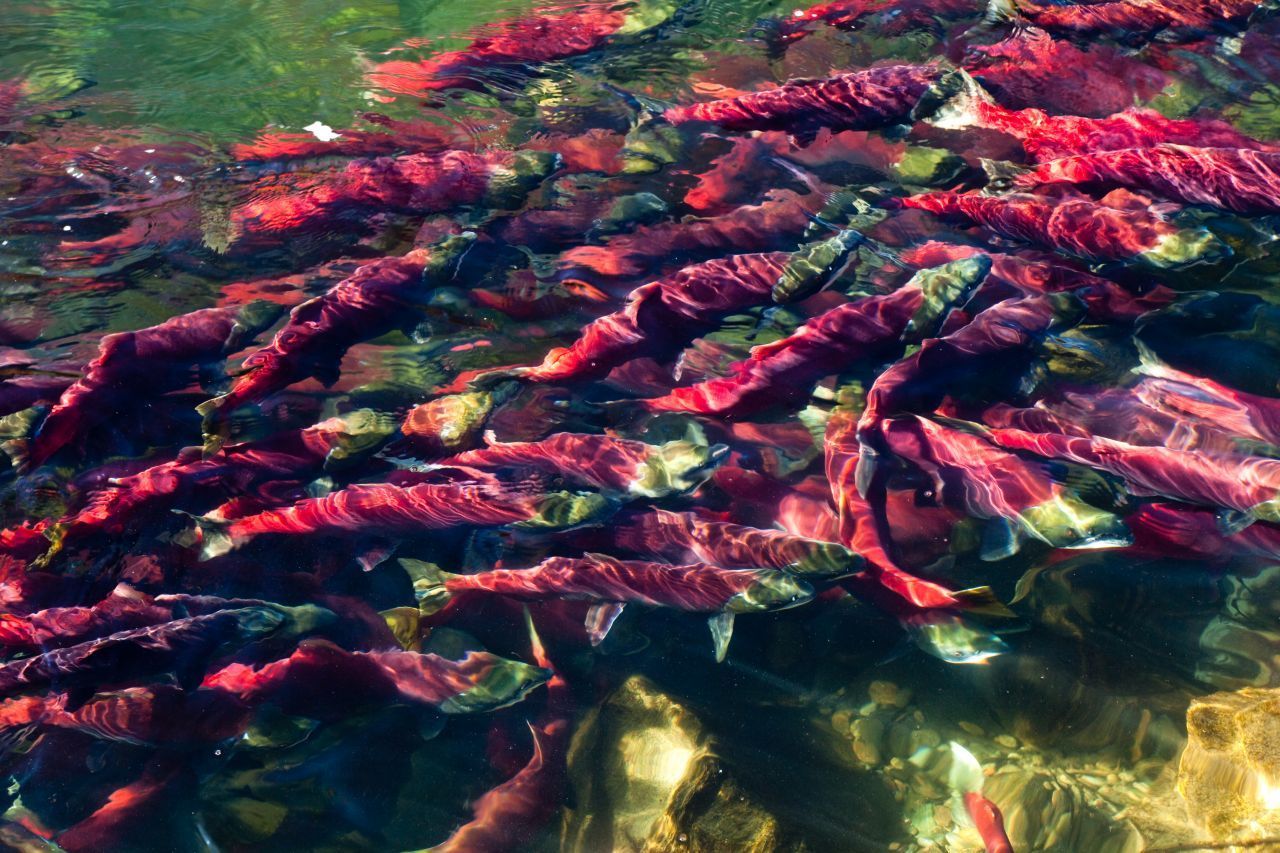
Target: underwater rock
x: 646, y: 777
x: 1240, y: 646
x: 1229, y: 774
x: 1043, y: 812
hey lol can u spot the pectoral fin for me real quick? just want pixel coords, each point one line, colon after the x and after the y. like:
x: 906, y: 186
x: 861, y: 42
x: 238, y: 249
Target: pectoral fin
x: 1232, y: 521
x: 600, y: 619
x: 721, y: 632
x: 1001, y: 538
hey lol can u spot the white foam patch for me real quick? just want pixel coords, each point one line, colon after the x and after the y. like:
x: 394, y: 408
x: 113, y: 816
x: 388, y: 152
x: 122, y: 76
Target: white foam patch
x: 322, y: 131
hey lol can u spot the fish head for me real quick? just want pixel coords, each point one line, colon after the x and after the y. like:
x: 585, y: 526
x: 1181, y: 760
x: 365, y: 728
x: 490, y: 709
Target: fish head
x: 942, y: 288
x: 813, y: 265
x: 1185, y: 247
x: 1083, y: 355
x: 771, y: 590
x: 650, y: 147
x: 635, y: 209
x: 677, y: 466
x: 511, y: 184
x: 566, y: 509
x: 258, y: 622
x: 827, y: 560
x: 356, y: 434
x: 255, y: 317
x: 451, y: 422
x: 949, y: 637
x: 445, y: 255
x: 501, y: 683
x: 1065, y: 522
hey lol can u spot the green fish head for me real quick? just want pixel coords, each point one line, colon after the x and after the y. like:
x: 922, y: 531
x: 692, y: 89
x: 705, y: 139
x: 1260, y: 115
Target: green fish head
x: 677, y: 466
x: 650, y: 147
x: 1186, y: 247
x: 511, y: 185
x: 567, y: 509
x: 949, y: 637
x: 812, y: 266
x: 445, y: 256
x: 504, y: 683
x: 255, y: 317
x: 943, y: 287
x: 359, y: 433
x: 1065, y: 522
x: 827, y: 560
x: 772, y: 590
x: 629, y: 210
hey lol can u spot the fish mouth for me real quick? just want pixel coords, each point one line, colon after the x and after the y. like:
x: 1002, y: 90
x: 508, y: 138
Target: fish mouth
x: 1100, y: 541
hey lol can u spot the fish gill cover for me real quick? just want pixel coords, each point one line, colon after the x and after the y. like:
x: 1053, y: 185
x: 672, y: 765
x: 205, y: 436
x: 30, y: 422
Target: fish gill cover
x: 397, y: 481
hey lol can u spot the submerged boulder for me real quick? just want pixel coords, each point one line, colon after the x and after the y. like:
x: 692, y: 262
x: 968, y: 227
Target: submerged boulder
x: 646, y: 776
x: 1229, y: 774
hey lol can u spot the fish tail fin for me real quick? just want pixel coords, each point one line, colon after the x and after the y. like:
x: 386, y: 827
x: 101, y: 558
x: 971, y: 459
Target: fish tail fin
x: 1268, y: 511
x: 19, y: 452
x: 1000, y: 11
x: 965, y: 775
x: 649, y: 109
x: 211, y: 534
x: 55, y: 533
x: 1150, y: 364
x: 536, y: 648
x: 982, y: 600
x: 1001, y: 174
x: 954, y: 102
x: 961, y: 425
x: 429, y: 585
x: 214, y: 423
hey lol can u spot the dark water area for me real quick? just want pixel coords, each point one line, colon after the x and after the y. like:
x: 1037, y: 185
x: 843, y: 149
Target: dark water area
x: 649, y: 426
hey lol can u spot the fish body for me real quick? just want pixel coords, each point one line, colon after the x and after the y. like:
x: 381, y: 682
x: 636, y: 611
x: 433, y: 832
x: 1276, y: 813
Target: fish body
x: 1046, y: 136
x: 155, y: 715
x: 890, y: 17
x: 863, y: 530
x: 1170, y: 20
x: 379, y: 297
x: 1082, y: 228
x: 515, y: 44
x: 387, y: 509
x: 860, y: 100
x: 1032, y: 69
x: 661, y: 317
x: 603, y: 462
x: 867, y: 328
x: 680, y: 536
x: 238, y: 469
x: 773, y: 223
x: 181, y: 644
x: 997, y: 340
x: 1180, y: 532
x: 134, y: 366
x: 303, y: 683
x: 124, y: 608
x: 694, y: 587
x: 295, y: 202
x: 1236, y: 179
x: 994, y: 484
x: 1211, y: 403
x: 1245, y: 484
